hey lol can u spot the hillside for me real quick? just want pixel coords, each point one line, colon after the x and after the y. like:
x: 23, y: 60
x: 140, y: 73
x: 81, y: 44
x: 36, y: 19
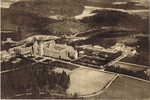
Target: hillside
x: 114, y: 18
x: 24, y: 22
x: 18, y: 17
x: 68, y: 28
x: 47, y: 8
x: 121, y: 4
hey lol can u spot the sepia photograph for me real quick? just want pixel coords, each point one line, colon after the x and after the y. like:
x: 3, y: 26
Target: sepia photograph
x: 75, y: 49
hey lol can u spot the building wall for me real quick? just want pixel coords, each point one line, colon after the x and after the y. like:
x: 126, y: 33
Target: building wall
x: 64, y: 54
x: 54, y: 50
x: 51, y: 53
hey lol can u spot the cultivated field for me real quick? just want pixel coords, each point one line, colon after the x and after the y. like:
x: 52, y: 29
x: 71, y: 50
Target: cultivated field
x: 126, y: 88
x: 86, y: 82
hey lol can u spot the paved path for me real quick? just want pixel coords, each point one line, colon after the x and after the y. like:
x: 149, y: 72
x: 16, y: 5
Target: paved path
x: 10, y: 70
x: 116, y: 60
x: 131, y: 64
x: 30, y: 93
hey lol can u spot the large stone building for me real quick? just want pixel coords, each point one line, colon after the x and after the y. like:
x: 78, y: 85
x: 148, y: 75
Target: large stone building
x: 42, y: 48
x: 51, y: 49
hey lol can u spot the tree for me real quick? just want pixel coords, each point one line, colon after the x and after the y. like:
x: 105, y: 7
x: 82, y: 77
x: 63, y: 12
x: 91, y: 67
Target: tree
x: 75, y: 96
x: 64, y: 80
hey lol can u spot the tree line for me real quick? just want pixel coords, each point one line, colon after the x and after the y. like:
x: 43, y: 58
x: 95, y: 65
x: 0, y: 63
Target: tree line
x: 49, y: 81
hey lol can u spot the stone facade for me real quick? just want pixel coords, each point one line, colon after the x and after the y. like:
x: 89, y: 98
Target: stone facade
x: 51, y: 49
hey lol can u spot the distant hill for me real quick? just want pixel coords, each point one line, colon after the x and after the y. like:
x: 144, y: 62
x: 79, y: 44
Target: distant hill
x: 11, y: 18
x: 47, y: 8
x: 24, y: 23
x: 121, y: 4
x: 129, y: 6
x: 115, y: 18
x: 68, y: 28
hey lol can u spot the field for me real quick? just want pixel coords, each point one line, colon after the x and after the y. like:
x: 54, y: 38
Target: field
x: 86, y: 82
x: 90, y: 61
x: 16, y: 82
x: 127, y: 88
x: 131, y: 67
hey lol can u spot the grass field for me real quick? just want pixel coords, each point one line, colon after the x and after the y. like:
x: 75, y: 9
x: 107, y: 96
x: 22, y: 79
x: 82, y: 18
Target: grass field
x: 86, y: 81
x: 126, y: 88
x: 131, y: 67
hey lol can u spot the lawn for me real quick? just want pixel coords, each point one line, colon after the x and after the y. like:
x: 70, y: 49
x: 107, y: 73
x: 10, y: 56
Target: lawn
x: 86, y: 81
x: 126, y: 88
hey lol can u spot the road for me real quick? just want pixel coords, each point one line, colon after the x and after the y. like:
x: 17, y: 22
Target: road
x: 69, y: 62
x: 41, y: 93
x: 131, y: 64
x: 14, y: 69
x: 10, y: 70
x: 116, y: 60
